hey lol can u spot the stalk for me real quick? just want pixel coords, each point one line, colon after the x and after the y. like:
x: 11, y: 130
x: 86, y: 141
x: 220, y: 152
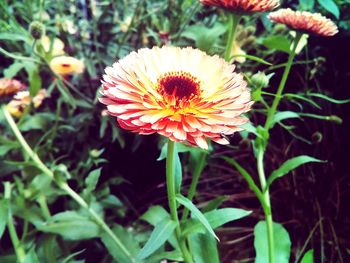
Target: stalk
x: 63, y: 185
x: 233, y: 22
x: 170, y: 181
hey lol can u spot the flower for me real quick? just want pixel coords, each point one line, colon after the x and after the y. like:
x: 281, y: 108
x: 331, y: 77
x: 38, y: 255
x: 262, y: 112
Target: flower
x: 65, y: 65
x: 10, y: 87
x: 244, y: 5
x: 180, y: 93
x: 57, y: 46
x: 239, y: 52
x: 305, y: 21
x: 22, y: 100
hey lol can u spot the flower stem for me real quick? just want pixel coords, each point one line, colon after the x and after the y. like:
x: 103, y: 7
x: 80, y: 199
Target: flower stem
x: 195, y: 179
x: 20, y: 253
x: 63, y: 185
x: 266, y: 205
x: 233, y: 21
x: 280, y: 89
x: 170, y: 181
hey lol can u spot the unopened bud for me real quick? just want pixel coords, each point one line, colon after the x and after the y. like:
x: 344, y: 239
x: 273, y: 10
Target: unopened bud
x: 36, y: 29
x: 259, y: 80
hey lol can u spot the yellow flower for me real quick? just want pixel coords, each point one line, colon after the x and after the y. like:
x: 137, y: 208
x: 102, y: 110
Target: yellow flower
x: 57, y: 46
x: 65, y: 65
x: 22, y: 100
x: 194, y: 97
x: 237, y: 51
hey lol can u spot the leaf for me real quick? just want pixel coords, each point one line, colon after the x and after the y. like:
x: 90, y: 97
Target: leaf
x: 257, y: 59
x: 196, y: 213
x: 290, y: 165
x: 3, y: 217
x: 155, y: 214
x: 128, y: 240
x: 170, y: 255
x: 216, y: 218
x: 282, y: 243
x: 162, y: 231
x: 330, y: 6
x: 71, y: 225
x: 277, y: 42
x: 66, y: 95
x: 34, y: 77
x: 177, y: 170
x: 283, y: 115
x: 215, y: 203
x: 12, y: 70
x: 92, y: 180
x: 322, y: 96
x: 308, y: 257
x: 307, y: 4
x: 204, y: 248
x: 39, y: 121
x: 203, y: 36
x: 31, y: 257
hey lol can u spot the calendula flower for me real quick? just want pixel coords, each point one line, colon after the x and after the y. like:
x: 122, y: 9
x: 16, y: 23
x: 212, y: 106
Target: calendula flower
x: 65, y: 65
x: 180, y: 93
x: 305, y: 22
x: 22, y: 100
x: 57, y: 46
x: 10, y: 87
x: 243, y: 5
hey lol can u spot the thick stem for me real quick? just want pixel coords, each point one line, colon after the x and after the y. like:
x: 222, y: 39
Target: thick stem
x: 20, y: 253
x: 63, y: 185
x: 195, y: 179
x: 266, y: 205
x: 170, y: 181
x: 280, y: 89
x: 232, y: 28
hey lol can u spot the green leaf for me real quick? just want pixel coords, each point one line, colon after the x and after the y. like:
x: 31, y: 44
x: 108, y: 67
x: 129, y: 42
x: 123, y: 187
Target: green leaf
x: 92, y: 180
x: 282, y: 243
x: 169, y: 255
x: 290, y: 165
x: 322, y: 96
x: 12, y: 70
x: 306, y: 4
x: 155, y: 214
x: 3, y: 217
x: 66, y: 95
x: 71, y: 225
x: 257, y: 59
x: 215, y: 203
x: 128, y: 240
x: 196, y: 213
x: 330, y: 6
x: 283, y: 115
x: 216, y: 218
x: 204, y: 248
x: 177, y: 170
x: 162, y: 231
x: 277, y: 42
x: 39, y: 121
x: 203, y: 36
x: 31, y: 257
x: 34, y: 77
x: 308, y: 257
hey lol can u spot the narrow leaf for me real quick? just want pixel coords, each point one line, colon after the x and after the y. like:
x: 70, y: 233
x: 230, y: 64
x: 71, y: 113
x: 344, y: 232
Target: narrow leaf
x: 257, y: 59
x: 330, y: 6
x: 290, y: 165
x: 283, y: 115
x: 282, y: 243
x: 160, y: 234
x: 308, y: 257
x: 196, y: 213
x: 322, y: 96
x: 204, y: 248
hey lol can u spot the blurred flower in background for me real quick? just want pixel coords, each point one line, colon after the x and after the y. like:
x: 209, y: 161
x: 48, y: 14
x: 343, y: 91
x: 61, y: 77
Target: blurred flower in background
x: 244, y: 5
x: 9, y: 87
x: 56, y: 46
x: 22, y: 100
x: 305, y: 22
x: 65, y: 65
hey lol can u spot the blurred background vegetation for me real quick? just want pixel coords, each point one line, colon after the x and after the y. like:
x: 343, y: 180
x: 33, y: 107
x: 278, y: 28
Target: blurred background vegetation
x: 70, y: 134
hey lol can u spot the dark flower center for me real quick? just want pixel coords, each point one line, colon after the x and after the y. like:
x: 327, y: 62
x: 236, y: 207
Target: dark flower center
x: 182, y: 85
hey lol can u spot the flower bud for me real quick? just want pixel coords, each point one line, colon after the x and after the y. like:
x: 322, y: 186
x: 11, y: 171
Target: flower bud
x: 36, y: 29
x: 259, y: 80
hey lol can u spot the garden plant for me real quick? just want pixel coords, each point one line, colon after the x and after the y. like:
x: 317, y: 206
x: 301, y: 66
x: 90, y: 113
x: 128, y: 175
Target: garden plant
x: 197, y: 131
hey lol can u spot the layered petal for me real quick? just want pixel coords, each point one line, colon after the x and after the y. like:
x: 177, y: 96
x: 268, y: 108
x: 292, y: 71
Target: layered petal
x: 243, y: 5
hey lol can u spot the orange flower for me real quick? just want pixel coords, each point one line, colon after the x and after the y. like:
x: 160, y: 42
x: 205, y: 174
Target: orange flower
x: 22, y: 100
x: 65, y: 65
x: 305, y: 21
x: 244, y: 5
x: 10, y: 87
x: 180, y: 93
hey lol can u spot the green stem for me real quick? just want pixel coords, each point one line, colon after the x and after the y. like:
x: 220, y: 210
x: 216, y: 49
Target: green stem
x: 170, y: 181
x: 266, y: 205
x: 63, y: 185
x: 20, y: 253
x: 280, y: 89
x: 195, y: 179
x: 232, y: 28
